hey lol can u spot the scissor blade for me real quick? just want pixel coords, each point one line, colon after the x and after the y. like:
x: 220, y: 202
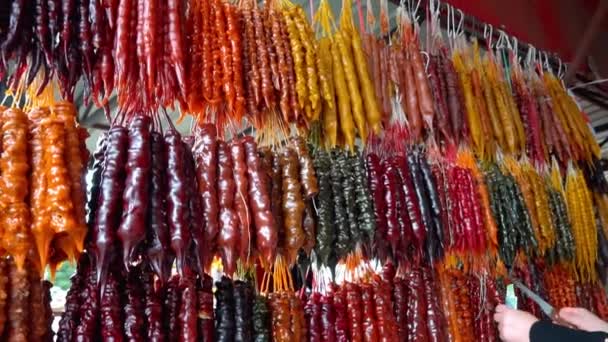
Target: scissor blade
x: 543, y: 304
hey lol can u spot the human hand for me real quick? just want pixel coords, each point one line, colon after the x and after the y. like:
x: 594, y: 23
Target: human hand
x: 513, y: 325
x: 583, y: 319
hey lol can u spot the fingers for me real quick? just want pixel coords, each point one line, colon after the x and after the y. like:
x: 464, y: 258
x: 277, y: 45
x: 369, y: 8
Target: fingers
x: 503, y: 331
x: 582, y: 319
x: 501, y: 308
x: 513, y: 325
x: 500, y: 312
x: 572, y: 315
x: 571, y: 311
x: 502, y: 334
x: 498, y: 317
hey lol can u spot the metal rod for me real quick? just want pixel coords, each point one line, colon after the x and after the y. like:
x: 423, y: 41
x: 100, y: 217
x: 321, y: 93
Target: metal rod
x: 591, y: 96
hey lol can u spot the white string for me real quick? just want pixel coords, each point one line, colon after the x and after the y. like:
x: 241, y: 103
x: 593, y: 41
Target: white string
x: 449, y: 26
x: 415, y: 13
x: 434, y: 10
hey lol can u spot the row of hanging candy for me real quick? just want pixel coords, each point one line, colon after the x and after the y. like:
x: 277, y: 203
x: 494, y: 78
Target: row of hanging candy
x: 491, y: 102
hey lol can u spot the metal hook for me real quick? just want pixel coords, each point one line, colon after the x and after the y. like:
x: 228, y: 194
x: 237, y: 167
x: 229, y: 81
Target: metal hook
x: 428, y: 60
x: 507, y: 40
x: 488, y: 34
x: 540, y: 59
x: 449, y: 21
x: 500, y: 44
x: 460, y: 24
x: 563, y: 71
x: 530, y: 55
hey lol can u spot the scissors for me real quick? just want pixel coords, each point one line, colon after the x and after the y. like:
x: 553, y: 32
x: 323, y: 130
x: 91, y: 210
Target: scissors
x: 547, y: 308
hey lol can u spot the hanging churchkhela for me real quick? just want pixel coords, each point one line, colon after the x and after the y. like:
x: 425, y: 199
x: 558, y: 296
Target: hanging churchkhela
x: 338, y: 176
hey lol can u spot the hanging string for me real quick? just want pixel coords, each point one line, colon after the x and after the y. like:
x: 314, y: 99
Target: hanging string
x: 413, y: 10
x: 361, y: 20
x: 384, y: 19
x: 449, y: 24
x: 434, y: 31
x: 312, y: 10
x: 429, y: 32
x: 370, y: 17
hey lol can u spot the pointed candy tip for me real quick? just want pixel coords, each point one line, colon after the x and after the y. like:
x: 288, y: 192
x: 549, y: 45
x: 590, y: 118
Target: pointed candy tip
x: 43, y: 255
x: 19, y: 261
x: 127, y: 254
x: 179, y: 264
x: 101, y: 272
x: 42, y: 266
x: 78, y: 244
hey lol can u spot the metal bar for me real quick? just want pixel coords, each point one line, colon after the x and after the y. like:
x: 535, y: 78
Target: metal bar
x: 593, y: 111
x: 601, y: 128
x: 598, y: 86
x: 591, y: 96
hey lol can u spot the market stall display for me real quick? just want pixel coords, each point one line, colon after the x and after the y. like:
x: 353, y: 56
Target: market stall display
x: 389, y: 191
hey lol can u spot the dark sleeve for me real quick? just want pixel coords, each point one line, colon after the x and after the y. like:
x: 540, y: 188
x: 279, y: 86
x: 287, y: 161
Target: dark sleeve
x: 546, y: 331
